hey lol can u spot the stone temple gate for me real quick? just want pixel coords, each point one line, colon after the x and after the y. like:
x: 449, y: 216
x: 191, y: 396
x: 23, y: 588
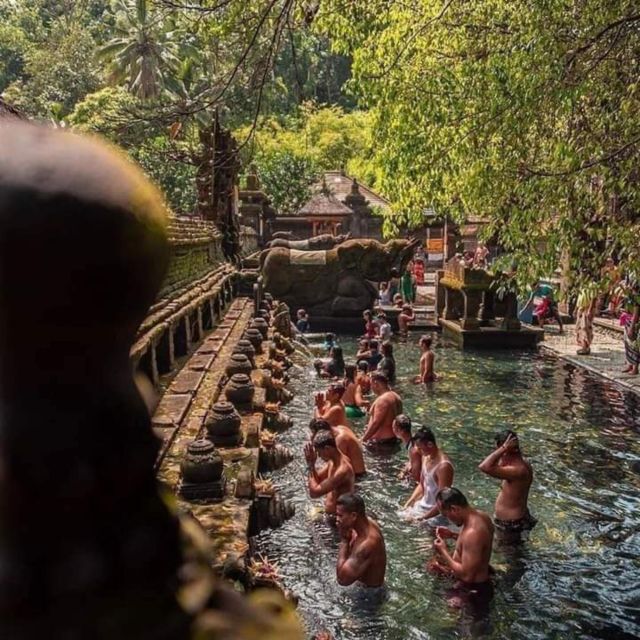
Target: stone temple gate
x: 472, y: 313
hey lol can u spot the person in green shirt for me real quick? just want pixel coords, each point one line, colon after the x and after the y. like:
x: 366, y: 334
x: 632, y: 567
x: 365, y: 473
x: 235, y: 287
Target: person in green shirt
x: 408, y: 285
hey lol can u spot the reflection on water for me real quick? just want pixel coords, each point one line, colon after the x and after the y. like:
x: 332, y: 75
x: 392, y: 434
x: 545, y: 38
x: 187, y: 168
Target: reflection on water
x: 576, y: 576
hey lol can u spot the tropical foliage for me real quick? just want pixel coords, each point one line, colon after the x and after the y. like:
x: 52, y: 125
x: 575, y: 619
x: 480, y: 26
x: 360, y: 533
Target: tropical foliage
x: 523, y: 113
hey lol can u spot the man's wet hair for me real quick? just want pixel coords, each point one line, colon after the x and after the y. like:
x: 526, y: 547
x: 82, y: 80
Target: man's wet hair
x: 373, y: 344
x: 501, y: 436
x: 426, y: 340
x: 363, y: 365
x: 330, y: 337
x: 353, y: 503
x: 403, y: 423
x: 387, y: 349
x: 379, y: 376
x: 319, y: 424
x: 337, y: 387
x: 424, y: 434
x: 451, y: 497
x: 324, y: 439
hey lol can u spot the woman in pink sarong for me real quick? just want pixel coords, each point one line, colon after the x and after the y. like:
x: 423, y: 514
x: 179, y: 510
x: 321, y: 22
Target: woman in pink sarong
x: 418, y: 271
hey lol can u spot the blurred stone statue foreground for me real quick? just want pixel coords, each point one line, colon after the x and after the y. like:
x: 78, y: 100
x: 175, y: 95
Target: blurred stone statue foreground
x: 88, y: 549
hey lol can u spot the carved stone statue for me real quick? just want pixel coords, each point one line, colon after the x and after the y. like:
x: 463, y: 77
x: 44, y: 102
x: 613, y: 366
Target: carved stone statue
x: 317, y: 243
x: 88, y: 547
x: 334, y: 282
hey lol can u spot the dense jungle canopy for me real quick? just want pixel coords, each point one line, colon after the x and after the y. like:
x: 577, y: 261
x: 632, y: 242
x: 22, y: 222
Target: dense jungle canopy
x: 525, y: 113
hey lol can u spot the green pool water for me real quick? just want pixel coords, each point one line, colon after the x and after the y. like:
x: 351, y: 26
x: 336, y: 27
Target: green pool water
x: 578, y: 573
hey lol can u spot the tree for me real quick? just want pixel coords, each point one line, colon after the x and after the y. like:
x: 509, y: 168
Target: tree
x: 524, y: 113
x: 142, y: 52
x: 290, y: 153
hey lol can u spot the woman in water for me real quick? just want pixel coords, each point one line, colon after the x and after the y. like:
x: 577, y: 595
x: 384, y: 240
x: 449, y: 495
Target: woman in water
x: 388, y: 364
x: 334, y: 368
x: 352, y: 396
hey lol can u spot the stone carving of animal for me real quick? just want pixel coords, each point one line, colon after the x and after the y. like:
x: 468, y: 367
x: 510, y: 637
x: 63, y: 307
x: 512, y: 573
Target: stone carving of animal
x: 317, y: 243
x: 336, y: 282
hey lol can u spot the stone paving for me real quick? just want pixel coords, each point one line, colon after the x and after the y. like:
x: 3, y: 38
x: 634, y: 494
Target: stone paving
x: 607, y: 354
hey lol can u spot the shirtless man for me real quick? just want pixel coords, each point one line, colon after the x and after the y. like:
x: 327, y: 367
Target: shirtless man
x: 362, y: 556
x: 335, y: 478
x: 426, y: 362
x: 405, y: 318
x: 348, y: 443
x: 384, y: 409
x: 436, y: 474
x: 470, y: 560
x: 507, y: 464
x: 329, y: 405
x: 402, y: 429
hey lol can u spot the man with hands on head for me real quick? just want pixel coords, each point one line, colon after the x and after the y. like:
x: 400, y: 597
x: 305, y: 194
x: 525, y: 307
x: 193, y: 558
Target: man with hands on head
x: 335, y: 478
x: 507, y: 463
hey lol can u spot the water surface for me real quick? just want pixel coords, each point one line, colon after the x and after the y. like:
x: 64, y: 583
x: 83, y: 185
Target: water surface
x: 578, y: 573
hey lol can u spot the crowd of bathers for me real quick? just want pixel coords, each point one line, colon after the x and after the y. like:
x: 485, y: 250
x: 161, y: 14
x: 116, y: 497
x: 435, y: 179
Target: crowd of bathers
x: 335, y: 459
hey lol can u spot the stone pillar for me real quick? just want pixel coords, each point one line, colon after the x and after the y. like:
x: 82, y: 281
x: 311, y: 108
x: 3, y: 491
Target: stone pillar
x: 452, y: 304
x: 487, y: 313
x: 440, y: 295
x: 510, y: 321
x: 472, y: 300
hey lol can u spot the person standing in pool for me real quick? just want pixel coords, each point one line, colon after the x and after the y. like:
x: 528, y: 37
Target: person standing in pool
x: 436, y: 473
x: 347, y: 442
x: 402, y: 429
x: 405, y: 318
x: 383, y: 412
x: 507, y: 463
x: 352, y: 398
x: 362, y: 379
x: 362, y: 556
x: 374, y: 355
x: 335, y: 478
x: 470, y: 560
x: 388, y: 364
x: 329, y: 405
x: 427, y: 359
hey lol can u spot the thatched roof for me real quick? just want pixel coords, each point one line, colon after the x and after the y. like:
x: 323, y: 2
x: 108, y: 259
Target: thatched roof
x: 324, y: 203
x: 340, y: 184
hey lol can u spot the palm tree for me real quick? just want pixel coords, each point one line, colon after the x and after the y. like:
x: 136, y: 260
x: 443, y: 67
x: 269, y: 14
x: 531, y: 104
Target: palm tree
x: 142, y: 53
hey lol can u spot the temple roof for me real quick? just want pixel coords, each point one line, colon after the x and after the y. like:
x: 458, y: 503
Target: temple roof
x: 323, y: 204
x: 340, y: 184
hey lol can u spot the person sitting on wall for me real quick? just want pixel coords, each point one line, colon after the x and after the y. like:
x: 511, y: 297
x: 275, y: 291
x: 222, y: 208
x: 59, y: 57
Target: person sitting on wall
x: 362, y: 556
x: 337, y: 476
